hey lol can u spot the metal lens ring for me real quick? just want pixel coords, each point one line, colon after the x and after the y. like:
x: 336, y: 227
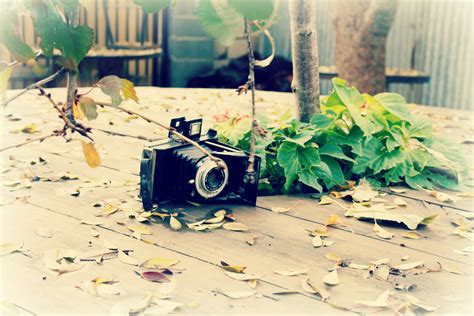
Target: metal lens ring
x: 210, y: 179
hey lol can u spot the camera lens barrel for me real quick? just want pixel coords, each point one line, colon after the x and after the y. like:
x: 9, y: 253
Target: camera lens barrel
x: 210, y: 178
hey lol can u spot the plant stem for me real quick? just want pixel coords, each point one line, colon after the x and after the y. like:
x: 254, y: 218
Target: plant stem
x: 251, y: 83
x: 34, y: 86
x: 39, y: 139
x: 71, y: 93
x: 170, y: 129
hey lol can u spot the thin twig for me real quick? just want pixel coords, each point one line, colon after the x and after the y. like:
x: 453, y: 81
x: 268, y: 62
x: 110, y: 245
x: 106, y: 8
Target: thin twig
x: 122, y: 134
x: 251, y: 83
x: 170, y: 129
x: 34, y: 86
x: 39, y: 139
x: 74, y: 127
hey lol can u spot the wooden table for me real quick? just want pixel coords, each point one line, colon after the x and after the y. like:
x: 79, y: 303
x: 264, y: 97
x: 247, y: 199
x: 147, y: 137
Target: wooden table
x: 282, y: 241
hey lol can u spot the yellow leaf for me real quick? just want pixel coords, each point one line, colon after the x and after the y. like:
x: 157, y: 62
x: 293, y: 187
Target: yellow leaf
x: 91, y: 154
x: 29, y: 129
x: 239, y: 227
x: 398, y: 190
x: 408, y: 266
x: 174, y: 223
x: 325, y: 200
x: 323, y: 232
x: 144, y: 230
x: 76, y: 110
x: 159, y: 262
x: 333, y: 220
x: 215, y: 220
x: 452, y: 269
x: 252, y: 283
x: 412, y: 235
x: 278, y: 209
x: 128, y: 91
x: 236, y: 269
x: 4, y: 76
x: 399, y: 202
x: 333, y: 257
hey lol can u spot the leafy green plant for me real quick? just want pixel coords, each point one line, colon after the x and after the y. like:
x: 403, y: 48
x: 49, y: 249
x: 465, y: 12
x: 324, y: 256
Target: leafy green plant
x: 356, y: 136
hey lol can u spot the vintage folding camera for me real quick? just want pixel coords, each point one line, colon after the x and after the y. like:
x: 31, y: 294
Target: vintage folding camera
x: 172, y: 169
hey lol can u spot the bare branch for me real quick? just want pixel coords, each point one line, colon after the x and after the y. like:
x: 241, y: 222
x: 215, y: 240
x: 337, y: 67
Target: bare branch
x: 74, y: 127
x: 170, y: 129
x: 251, y: 83
x: 34, y: 86
x: 123, y: 134
x: 39, y: 139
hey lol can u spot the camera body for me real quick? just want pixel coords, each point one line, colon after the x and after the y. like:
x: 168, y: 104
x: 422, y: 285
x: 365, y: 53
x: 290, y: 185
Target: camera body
x: 172, y: 169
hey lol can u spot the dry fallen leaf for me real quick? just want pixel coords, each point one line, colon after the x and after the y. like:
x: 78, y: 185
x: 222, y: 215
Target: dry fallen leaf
x: 278, y: 209
x: 333, y: 220
x: 237, y: 295
x: 381, y: 301
x: 358, y: 266
x: 291, y: 272
x: 8, y: 248
x: 408, y: 266
x: 158, y: 262
x: 234, y: 226
x: 399, y: 202
x: 236, y: 269
x: 333, y: 257
x: 317, y: 241
x: 44, y: 232
x: 142, y: 230
x: 451, y: 268
x: 241, y: 276
x: 325, y: 200
x: 128, y: 259
x: 94, y: 232
x: 154, y: 276
x: 174, y: 223
x: 398, y: 190
x: 311, y: 288
x: 385, y: 234
x: 383, y: 273
x: 331, y: 278
x: 416, y: 302
x: 323, y: 232
x: 252, y: 283
x: 380, y: 261
x: 412, y: 235
x: 162, y: 307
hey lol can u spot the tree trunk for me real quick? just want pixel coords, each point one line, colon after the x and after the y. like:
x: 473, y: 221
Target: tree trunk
x: 361, y: 28
x: 304, y: 50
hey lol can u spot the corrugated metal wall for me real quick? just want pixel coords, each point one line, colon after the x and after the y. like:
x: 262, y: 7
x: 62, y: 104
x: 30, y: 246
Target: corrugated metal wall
x: 434, y: 36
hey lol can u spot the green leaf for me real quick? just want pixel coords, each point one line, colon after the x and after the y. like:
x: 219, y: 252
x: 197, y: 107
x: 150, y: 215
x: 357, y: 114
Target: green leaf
x: 310, y: 179
x: 321, y: 121
x: 72, y: 41
x: 395, y: 104
x: 337, y: 176
x: 300, y: 139
x: 294, y: 159
x: 420, y: 127
x: 153, y: 6
x: 334, y: 151
x: 219, y: 20
x: 353, y: 100
x: 88, y: 107
x: 253, y: 10
x: 371, y: 154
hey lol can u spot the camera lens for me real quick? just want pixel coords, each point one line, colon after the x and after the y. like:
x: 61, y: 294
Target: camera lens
x: 210, y: 179
x: 214, y: 179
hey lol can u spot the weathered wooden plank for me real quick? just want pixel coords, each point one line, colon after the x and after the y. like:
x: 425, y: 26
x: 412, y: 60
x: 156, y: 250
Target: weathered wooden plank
x: 438, y: 239
x: 26, y: 281
x: 282, y: 235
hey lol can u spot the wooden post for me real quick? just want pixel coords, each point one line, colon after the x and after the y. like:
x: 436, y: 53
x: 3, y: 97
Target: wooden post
x: 304, y: 49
